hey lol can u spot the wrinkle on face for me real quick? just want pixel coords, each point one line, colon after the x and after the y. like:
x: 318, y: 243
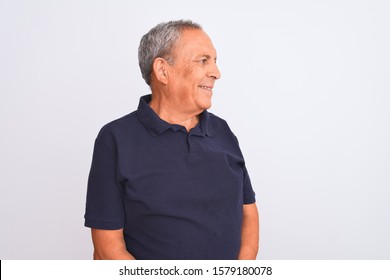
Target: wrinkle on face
x: 189, y: 68
x: 195, y: 61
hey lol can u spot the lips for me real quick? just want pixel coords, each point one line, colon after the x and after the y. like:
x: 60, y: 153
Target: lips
x: 206, y: 88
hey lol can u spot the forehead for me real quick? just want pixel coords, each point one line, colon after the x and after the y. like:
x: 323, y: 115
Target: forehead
x: 194, y: 42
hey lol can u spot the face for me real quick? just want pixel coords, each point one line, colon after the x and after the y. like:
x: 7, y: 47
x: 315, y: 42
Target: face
x: 194, y: 72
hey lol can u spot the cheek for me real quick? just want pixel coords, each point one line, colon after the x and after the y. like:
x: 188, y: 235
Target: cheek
x: 192, y: 73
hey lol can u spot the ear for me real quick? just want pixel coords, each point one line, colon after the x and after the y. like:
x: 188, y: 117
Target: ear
x: 161, y: 70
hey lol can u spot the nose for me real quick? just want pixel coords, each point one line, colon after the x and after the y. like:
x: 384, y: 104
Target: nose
x: 214, y: 72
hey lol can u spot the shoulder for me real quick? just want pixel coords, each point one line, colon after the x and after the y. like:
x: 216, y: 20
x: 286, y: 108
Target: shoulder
x: 219, y: 124
x: 119, y: 126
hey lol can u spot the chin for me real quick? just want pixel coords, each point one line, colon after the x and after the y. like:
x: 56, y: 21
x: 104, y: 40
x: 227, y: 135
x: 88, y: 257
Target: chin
x: 206, y: 105
x: 204, y: 102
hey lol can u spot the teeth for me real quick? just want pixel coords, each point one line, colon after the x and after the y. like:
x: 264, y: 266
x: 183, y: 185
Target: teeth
x: 206, y: 88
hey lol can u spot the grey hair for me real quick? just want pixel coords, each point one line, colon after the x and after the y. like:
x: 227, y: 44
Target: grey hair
x: 159, y: 42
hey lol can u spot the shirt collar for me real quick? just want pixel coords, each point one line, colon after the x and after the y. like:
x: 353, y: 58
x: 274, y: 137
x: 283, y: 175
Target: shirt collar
x: 205, y: 124
x: 156, y: 126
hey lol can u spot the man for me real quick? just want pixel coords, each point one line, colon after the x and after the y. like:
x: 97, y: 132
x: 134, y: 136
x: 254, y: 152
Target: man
x: 168, y: 181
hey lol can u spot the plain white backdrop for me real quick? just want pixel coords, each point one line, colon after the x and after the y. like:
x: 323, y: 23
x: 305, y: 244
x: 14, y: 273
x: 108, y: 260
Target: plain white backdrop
x: 305, y: 87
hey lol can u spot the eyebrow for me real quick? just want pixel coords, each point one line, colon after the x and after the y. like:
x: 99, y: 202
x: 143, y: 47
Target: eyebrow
x: 206, y: 56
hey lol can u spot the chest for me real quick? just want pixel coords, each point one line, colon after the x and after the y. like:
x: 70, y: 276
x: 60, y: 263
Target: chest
x: 180, y: 169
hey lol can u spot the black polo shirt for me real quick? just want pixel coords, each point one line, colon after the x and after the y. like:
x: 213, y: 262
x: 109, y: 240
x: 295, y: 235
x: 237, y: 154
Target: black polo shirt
x: 176, y: 194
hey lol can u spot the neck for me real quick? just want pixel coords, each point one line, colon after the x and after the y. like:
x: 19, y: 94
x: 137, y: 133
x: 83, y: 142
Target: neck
x: 171, y: 112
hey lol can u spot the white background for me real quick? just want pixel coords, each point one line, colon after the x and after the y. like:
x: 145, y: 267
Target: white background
x: 305, y: 87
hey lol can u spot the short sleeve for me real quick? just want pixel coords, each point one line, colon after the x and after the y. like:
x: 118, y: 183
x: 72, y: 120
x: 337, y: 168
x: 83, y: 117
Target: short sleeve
x: 104, y: 204
x: 249, y: 194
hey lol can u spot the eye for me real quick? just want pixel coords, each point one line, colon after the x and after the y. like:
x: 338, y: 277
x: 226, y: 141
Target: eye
x: 203, y: 61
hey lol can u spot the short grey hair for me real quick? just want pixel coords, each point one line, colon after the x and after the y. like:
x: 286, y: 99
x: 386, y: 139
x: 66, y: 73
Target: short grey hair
x: 159, y: 42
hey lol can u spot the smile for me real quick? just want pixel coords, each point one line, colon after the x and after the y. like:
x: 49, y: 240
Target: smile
x: 206, y: 88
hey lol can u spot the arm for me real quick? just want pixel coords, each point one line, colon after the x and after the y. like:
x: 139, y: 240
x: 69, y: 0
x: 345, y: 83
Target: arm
x: 109, y: 245
x: 250, y: 233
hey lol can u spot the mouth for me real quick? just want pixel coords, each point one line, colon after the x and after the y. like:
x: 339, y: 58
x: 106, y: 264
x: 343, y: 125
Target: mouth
x: 206, y: 88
